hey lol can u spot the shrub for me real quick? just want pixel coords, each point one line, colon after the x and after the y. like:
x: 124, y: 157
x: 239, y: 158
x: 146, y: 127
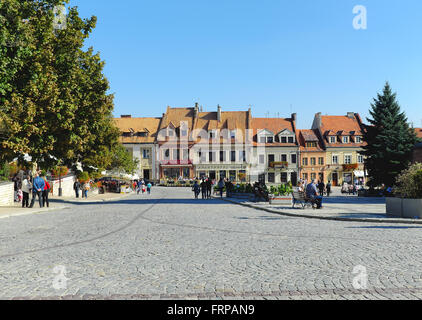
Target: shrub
x: 409, y: 182
x: 83, y: 176
x: 4, y: 171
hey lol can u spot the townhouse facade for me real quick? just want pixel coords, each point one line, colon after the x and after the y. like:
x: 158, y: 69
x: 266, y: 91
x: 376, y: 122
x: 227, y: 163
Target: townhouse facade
x: 187, y: 143
x: 341, y: 138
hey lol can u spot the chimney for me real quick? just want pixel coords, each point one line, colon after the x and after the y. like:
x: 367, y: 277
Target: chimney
x: 351, y: 115
x: 317, y: 121
x: 126, y: 116
x: 294, y: 117
x: 218, y: 113
x: 196, y: 111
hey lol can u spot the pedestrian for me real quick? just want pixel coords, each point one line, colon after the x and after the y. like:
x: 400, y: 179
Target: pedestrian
x: 37, y: 189
x: 221, y: 186
x: 149, y: 186
x: 77, y: 187
x: 209, y: 188
x: 139, y: 187
x: 196, y: 189
x: 85, y: 189
x: 328, y: 188
x: 26, y: 189
x: 312, y: 194
x: 204, y: 189
x: 321, y: 187
x: 45, y: 193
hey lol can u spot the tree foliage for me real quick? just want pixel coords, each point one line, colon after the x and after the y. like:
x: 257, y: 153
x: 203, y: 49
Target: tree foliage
x: 390, y: 140
x: 54, y: 103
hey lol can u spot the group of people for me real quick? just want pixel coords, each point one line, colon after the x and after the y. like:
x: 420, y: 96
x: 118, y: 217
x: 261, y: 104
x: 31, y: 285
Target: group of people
x: 81, y: 186
x: 142, y: 186
x: 315, y: 191
x: 204, y: 187
x: 37, y: 185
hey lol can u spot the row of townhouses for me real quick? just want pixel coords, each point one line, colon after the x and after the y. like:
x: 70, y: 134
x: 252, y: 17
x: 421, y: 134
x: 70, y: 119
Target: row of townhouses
x: 187, y: 143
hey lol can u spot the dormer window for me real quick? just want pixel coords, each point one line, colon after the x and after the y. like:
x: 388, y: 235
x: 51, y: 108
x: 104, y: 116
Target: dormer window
x: 358, y: 139
x: 345, y: 139
x: 142, y: 134
x: 311, y: 144
x: 233, y: 134
x: 333, y: 139
x: 212, y: 134
x: 270, y: 139
x: 291, y: 139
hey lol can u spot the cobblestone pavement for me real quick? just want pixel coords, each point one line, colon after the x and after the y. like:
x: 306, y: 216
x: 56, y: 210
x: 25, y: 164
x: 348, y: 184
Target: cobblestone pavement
x: 169, y: 246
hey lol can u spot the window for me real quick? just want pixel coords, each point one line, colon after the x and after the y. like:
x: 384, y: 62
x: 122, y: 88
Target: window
x: 294, y: 158
x: 185, y: 154
x: 313, y: 161
x: 313, y: 176
x: 283, y: 139
x: 284, y: 177
x: 347, y: 159
x: 261, y: 159
x: 184, y: 132
x: 360, y: 159
x: 321, y: 161
x: 242, y: 155
x: 358, y: 139
x: 335, y: 159
x: 271, y: 177
x: 145, y: 153
x: 270, y: 139
x: 142, y: 134
x: 270, y: 158
x: 201, y: 156
x: 305, y: 176
x: 212, y: 156
x: 284, y: 157
x: 166, y: 153
x: 311, y: 144
x: 291, y: 140
x: 171, y: 133
x: 233, y: 134
x: 233, y: 156
x: 176, y: 154
x: 186, y: 173
x: 222, y: 156
x: 305, y: 161
x: 262, y: 139
x: 345, y: 139
x: 212, y: 134
x: 333, y: 139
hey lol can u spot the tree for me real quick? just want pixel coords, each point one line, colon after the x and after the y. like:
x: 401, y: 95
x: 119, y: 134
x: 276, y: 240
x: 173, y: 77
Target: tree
x: 390, y: 140
x: 53, y: 93
x: 122, y: 161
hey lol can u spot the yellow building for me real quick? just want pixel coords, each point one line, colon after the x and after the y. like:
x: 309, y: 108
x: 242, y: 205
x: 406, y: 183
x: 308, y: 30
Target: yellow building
x: 342, y: 139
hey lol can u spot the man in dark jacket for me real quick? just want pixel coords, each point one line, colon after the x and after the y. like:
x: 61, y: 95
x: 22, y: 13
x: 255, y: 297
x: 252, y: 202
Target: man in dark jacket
x: 204, y: 189
x: 77, y: 187
x: 312, y: 194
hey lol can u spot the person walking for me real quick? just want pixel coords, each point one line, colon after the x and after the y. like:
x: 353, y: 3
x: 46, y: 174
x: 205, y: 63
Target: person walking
x: 37, y: 189
x: 45, y: 193
x: 312, y: 193
x: 196, y: 189
x: 85, y: 189
x: 328, y: 188
x: 77, y: 187
x: 139, y: 187
x: 204, y: 189
x: 321, y: 187
x: 26, y: 189
x: 149, y: 186
x: 221, y: 186
x: 209, y: 188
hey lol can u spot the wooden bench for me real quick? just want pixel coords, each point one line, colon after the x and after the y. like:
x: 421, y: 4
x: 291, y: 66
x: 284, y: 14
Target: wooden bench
x: 300, y: 197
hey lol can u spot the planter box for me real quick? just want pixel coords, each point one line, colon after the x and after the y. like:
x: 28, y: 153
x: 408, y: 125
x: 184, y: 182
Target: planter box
x: 394, y: 207
x: 241, y: 195
x: 7, y: 193
x: 404, y: 208
x: 284, y: 200
x: 412, y: 208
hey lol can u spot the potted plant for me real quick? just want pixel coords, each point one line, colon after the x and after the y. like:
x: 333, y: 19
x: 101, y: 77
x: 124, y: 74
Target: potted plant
x: 407, y: 199
x: 281, y: 194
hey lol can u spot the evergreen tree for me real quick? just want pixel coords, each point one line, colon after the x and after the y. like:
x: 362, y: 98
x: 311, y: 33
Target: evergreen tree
x: 390, y: 140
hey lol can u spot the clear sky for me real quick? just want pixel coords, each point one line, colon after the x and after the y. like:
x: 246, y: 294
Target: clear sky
x: 280, y: 57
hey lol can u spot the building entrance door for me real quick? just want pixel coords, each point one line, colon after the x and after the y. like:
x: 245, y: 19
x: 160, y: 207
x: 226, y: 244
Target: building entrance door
x: 146, y: 175
x: 335, y: 179
x: 293, y: 178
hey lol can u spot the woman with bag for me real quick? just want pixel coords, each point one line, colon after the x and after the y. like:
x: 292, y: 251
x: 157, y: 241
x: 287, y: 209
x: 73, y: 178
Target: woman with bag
x: 45, y: 193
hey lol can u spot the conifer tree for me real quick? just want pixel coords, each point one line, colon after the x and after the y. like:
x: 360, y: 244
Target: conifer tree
x: 390, y: 140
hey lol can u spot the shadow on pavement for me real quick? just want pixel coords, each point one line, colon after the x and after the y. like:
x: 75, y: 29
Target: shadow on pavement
x: 143, y: 201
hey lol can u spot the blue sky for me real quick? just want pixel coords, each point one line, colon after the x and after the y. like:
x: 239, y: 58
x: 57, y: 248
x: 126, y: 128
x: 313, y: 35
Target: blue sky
x: 280, y: 57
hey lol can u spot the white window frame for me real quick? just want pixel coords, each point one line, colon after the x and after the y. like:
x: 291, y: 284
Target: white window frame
x: 346, y: 139
x: 332, y: 159
x: 348, y: 156
x: 333, y: 139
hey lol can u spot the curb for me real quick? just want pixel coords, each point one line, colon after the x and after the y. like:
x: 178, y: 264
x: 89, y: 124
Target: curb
x: 35, y: 211
x: 91, y: 201
x: 370, y: 220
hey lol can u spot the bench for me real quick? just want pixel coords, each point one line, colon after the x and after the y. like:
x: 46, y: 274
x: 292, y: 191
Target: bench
x: 300, y: 197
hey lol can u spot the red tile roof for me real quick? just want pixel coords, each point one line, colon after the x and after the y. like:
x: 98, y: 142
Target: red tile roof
x: 341, y: 126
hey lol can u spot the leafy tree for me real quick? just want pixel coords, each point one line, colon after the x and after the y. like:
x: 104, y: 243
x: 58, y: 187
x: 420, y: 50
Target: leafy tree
x: 390, y: 140
x: 122, y: 161
x: 53, y: 94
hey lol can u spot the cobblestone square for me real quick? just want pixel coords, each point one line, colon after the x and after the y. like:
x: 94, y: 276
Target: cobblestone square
x: 170, y: 246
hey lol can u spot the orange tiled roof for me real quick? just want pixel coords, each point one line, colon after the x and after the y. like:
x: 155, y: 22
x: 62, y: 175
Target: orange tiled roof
x: 419, y: 132
x: 177, y: 115
x: 135, y: 125
x: 341, y: 126
x: 309, y: 136
x: 275, y: 125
